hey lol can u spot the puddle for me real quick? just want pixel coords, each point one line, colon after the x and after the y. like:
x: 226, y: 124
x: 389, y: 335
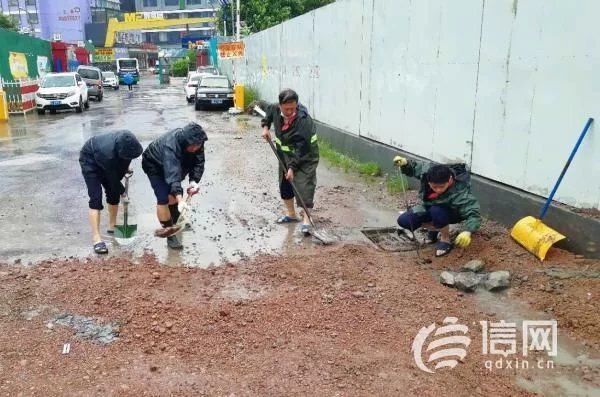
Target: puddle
x: 574, y: 364
x: 27, y: 159
x: 88, y: 328
x: 9, y: 132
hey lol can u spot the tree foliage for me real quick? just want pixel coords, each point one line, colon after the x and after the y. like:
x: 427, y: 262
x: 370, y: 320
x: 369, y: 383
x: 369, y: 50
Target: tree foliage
x: 8, y: 23
x: 263, y: 14
x: 180, y: 67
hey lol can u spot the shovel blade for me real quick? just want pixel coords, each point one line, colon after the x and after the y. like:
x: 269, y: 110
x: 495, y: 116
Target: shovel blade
x: 125, y: 231
x: 534, y: 236
x: 322, y: 236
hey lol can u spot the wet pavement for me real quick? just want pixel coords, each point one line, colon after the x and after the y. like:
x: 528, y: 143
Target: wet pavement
x: 44, y: 211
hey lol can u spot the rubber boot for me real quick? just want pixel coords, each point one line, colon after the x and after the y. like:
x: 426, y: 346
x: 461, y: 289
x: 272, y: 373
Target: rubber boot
x: 174, y: 243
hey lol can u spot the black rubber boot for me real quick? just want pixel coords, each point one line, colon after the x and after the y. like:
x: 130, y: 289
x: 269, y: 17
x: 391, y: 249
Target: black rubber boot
x: 174, y: 213
x: 174, y: 243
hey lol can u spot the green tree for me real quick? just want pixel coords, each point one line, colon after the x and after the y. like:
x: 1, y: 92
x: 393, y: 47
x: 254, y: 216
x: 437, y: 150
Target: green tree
x: 180, y: 67
x: 8, y: 23
x: 263, y: 14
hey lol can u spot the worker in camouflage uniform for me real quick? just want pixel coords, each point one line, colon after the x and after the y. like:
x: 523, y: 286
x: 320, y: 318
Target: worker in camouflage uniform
x: 297, y: 145
x: 446, y: 199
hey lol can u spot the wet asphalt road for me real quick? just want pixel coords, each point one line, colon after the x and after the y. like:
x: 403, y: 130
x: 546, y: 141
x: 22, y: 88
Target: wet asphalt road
x: 44, y: 211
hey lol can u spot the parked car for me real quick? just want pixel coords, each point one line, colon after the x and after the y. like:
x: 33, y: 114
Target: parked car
x: 60, y: 91
x: 214, y: 91
x: 93, y: 78
x: 208, y: 70
x: 109, y: 79
x: 189, y: 76
x: 190, y: 87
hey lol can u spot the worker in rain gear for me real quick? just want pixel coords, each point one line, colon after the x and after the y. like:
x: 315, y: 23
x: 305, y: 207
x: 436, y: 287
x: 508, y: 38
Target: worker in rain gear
x: 446, y: 198
x: 105, y: 160
x: 297, y: 145
x: 128, y: 79
x: 167, y: 161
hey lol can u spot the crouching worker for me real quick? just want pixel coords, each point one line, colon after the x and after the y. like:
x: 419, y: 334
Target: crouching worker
x: 446, y: 199
x: 297, y: 146
x: 104, y: 161
x: 167, y: 161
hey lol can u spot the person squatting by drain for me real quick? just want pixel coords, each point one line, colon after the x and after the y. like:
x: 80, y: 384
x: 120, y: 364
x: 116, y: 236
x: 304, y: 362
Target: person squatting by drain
x: 446, y: 199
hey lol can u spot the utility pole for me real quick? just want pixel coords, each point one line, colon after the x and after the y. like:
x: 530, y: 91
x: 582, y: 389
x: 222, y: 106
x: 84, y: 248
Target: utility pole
x: 237, y: 22
x: 225, y: 28
x: 232, y: 20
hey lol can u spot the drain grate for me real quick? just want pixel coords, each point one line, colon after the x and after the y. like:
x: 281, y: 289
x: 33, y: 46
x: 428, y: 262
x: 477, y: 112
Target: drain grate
x: 392, y: 239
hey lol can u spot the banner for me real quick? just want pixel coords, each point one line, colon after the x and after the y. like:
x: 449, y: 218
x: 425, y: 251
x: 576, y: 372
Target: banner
x: 18, y: 65
x: 234, y: 49
x: 129, y: 37
x: 42, y: 65
x: 104, y: 55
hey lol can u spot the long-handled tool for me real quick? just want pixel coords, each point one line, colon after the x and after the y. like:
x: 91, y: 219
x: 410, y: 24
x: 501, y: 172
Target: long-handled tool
x: 165, y: 232
x: 530, y: 232
x: 319, y: 235
x: 412, y: 229
x: 125, y: 230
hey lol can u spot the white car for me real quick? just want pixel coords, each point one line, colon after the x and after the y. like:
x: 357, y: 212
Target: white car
x: 109, y: 79
x: 190, y: 87
x: 62, y: 91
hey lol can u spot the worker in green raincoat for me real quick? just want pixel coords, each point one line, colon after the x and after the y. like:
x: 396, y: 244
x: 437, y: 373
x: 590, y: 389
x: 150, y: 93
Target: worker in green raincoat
x: 446, y: 198
x: 297, y: 145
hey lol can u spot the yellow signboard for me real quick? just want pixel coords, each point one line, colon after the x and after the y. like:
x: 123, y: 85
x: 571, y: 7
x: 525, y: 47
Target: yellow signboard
x: 234, y: 49
x: 18, y: 65
x: 145, y: 16
x: 104, y: 55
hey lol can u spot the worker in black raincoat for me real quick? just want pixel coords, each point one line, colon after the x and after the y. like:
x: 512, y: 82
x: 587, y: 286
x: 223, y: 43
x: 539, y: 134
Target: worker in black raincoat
x: 167, y: 161
x: 296, y: 143
x: 105, y: 160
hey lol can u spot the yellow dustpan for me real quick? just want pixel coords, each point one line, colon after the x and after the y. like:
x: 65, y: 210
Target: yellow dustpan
x: 530, y: 232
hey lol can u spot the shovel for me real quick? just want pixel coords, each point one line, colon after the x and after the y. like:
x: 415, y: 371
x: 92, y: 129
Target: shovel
x: 125, y: 230
x: 319, y: 235
x: 165, y: 232
x: 530, y: 232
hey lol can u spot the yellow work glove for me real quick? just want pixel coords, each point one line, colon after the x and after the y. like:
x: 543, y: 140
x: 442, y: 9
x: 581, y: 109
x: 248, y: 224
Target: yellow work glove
x: 463, y: 239
x: 400, y: 161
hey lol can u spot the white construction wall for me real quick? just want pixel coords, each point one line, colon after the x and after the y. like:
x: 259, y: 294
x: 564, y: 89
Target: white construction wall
x: 503, y: 85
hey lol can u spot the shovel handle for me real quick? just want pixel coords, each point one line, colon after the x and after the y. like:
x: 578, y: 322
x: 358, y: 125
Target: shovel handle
x: 564, y: 170
x: 300, y: 200
x: 258, y: 110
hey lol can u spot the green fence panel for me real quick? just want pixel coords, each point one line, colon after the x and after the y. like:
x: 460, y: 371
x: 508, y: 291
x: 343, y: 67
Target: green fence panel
x: 30, y: 47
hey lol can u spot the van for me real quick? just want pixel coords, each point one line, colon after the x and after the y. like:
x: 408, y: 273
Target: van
x: 93, y: 79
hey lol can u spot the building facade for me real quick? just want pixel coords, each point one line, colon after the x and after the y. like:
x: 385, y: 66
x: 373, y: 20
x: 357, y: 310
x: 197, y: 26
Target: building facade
x: 25, y: 13
x: 64, y: 19
x: 103, y: 10
x: 175, y: 37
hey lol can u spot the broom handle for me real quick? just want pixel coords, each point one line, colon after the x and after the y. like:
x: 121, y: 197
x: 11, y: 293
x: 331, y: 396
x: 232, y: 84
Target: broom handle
x: 564, y: 170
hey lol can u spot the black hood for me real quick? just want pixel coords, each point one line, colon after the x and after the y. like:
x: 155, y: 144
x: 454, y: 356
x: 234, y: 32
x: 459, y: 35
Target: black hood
x: 302, y: 111
x: 191, y: 134
x: 127, y: 145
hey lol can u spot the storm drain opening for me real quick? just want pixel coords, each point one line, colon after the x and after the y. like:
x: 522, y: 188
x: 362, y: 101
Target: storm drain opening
x: 393, y: 239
